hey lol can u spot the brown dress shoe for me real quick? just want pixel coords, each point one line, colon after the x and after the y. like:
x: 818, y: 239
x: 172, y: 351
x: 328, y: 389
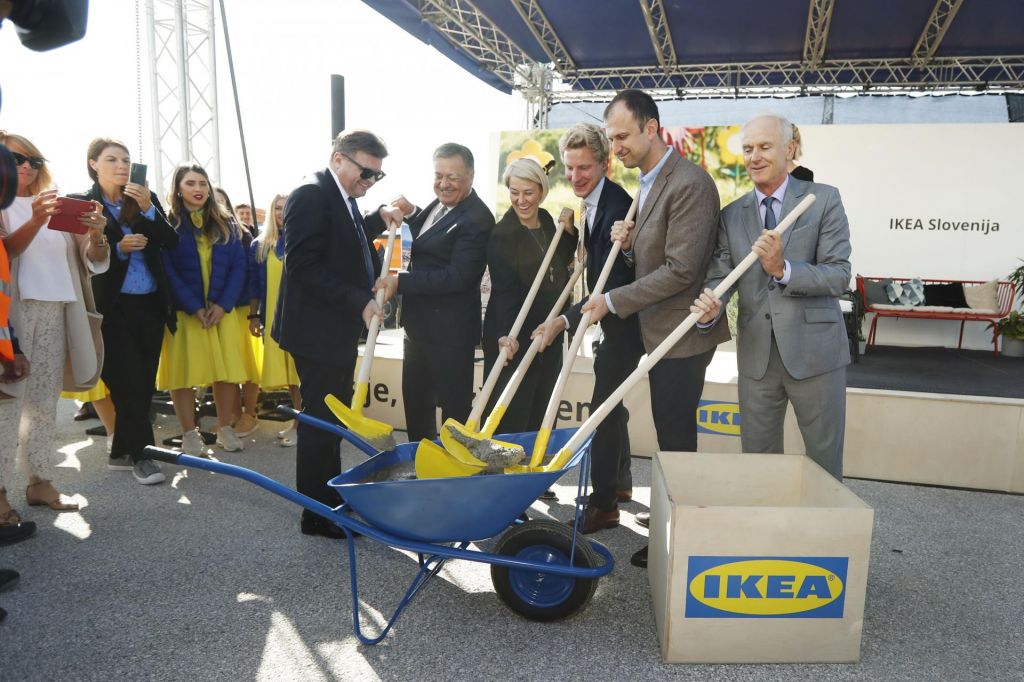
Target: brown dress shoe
x: 596, y: 519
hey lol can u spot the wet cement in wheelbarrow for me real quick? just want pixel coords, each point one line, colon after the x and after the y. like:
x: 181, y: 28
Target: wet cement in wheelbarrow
x: 494, y: 454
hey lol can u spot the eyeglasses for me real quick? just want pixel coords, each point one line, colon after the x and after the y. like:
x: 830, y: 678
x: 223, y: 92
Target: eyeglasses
x: 364, y: 172
x: 35, y: 161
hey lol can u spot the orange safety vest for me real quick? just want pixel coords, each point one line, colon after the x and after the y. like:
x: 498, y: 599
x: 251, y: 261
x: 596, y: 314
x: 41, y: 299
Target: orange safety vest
x: 6, y: 345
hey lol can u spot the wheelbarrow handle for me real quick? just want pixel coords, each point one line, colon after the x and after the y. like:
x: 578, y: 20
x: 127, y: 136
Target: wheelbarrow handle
x: 162, y: 454
x: 336, y: 429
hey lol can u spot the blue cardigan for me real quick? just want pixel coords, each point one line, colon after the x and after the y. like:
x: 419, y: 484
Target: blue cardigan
x: 258, y: 275
x: 227, y: 272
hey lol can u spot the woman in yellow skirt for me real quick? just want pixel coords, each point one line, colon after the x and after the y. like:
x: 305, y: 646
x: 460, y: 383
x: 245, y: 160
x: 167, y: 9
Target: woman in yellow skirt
x: 206, y: 272
x: 266, y: 259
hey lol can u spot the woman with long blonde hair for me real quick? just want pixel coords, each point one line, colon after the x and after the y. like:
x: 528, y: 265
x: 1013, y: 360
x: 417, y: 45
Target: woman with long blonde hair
x: 206, y: 271
x: 266, y: 262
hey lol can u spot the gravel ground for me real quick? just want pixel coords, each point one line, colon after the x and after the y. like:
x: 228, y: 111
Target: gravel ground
x: 207, y: 577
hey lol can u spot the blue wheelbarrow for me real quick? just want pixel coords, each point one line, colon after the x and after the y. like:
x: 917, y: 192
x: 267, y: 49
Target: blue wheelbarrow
x: 541, y: 569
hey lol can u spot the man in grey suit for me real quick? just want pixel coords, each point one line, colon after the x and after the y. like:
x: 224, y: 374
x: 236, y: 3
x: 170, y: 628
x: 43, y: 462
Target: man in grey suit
x: 671, y: 243
x: 792, y: 340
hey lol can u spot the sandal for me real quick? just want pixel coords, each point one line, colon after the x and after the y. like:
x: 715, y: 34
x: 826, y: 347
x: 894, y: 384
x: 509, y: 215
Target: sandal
x: 41, y: 492
x: 8, y: 517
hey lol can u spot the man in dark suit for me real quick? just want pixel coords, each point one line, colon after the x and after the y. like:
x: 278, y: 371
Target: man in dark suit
x: 584, y: 149
x: 671, y: 241
x: 441, y: 292
x: 326, y: 299
x: 792, y: 345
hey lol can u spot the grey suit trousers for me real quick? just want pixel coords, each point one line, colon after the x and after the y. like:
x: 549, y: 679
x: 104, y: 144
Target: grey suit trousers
x: 819, y: 403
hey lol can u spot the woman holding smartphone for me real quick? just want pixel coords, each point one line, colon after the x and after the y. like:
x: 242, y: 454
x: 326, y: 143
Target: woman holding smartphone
x: 134, y: 298
x: 52, y: 316
x: 207, y: 274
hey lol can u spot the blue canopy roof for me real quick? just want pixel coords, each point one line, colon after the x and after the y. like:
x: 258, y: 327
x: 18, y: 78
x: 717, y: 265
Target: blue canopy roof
x: 693, y: 44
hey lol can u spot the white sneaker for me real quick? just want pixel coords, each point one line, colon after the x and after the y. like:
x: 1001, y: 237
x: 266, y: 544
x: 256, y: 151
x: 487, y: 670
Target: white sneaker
x: 288, y: 438
x: 110, y: 444
x: 290, y: 430
x: 192, y: 444
x: 228, y: 440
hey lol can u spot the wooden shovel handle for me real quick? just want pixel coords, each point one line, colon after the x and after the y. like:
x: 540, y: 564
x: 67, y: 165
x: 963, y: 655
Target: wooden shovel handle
x: 598, y: 415
x: 371, y: 334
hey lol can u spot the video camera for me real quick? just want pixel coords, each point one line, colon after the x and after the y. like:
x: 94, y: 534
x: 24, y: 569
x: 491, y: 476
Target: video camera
x: 41, y: 25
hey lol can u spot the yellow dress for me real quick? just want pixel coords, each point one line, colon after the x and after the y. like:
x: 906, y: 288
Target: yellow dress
x: 278, y: 368
x: 194, y: 356
x: 97, y: 392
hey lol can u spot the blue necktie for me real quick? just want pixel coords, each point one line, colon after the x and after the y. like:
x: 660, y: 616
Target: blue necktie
x: 357, y: 218
x: 770, y: 221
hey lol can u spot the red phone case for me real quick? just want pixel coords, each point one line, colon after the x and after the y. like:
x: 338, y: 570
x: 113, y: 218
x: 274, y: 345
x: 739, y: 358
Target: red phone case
x: 68, y: 218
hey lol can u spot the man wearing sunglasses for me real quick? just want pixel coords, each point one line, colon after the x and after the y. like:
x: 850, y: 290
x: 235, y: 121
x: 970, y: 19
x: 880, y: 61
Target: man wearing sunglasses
x: 441, y: 292
x: 325, y: 301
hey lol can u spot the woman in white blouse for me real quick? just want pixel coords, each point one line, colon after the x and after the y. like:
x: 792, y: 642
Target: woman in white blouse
x: 54, y: 319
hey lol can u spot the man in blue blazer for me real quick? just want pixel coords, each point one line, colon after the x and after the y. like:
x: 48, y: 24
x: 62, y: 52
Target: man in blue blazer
x: 441, y: 293
x: 585, y: 155
x: 792, y: 345
x: 326, y: 300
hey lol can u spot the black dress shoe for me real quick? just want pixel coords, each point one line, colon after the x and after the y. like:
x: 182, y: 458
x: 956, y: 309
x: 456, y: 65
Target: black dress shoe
x: 639, y: 559
x: 8, y: 578
x: 548, y: 495
x: 643, y: 519
x: 11, y: 534
x: 86, y: 411
x: 312, y: 524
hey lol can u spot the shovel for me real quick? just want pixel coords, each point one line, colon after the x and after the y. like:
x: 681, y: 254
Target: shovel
x: 375, y: 432
x: 598, y: 415
x: 540, y: 445
x: 462, y: 440
x: 434, y: 461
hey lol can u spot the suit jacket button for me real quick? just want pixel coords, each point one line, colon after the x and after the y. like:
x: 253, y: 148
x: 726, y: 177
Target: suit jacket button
x: 771, y: 286
x: 767, y: 316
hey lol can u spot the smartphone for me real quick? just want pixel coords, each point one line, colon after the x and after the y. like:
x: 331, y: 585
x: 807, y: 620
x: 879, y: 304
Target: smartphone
x: 137, y: 174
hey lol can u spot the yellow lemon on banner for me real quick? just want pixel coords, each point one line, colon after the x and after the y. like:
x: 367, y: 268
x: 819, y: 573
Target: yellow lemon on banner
x: 730, y: 145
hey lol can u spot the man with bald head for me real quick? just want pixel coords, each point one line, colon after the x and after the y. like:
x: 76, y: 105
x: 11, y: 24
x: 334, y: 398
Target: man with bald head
x: 792, y: 345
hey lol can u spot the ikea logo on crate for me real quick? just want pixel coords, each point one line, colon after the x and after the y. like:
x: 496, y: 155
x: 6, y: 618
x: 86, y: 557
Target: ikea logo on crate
x: 720, y: 418
x: 765, y: 587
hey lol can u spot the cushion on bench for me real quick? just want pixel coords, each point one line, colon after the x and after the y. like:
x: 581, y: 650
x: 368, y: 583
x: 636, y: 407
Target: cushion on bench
x: 982, y: 297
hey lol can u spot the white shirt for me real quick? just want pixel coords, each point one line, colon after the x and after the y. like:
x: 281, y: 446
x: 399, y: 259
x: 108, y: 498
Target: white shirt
x: 43, y: 273
x: 344, y: 194
x: 432, y: 218
x: 591, y: 202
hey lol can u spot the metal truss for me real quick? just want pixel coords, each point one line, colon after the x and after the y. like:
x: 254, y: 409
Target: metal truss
x: 661, y: 36
x: 469, y: 30
x: 935, y: 30
x: 183, y: 87
x: 841, y: 76
x: 535, y: 19
x: 819, y: 18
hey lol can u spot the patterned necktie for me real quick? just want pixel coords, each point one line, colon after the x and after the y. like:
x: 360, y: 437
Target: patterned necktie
x: 440, y: 214
x: 770, y: 221
x: 357, y: 218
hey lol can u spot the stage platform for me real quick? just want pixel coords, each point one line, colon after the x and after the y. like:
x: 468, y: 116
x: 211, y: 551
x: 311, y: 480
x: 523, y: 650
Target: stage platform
x: 915, y: 415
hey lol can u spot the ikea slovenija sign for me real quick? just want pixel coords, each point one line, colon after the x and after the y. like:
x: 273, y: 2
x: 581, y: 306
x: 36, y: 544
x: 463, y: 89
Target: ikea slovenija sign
x: 765, y: 587
x: 717, y: 417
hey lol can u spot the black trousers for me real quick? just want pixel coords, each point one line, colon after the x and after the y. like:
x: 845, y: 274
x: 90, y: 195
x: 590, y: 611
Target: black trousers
x: 610, y: 453
x: 133, y: 331
x: 676, y: 386
x: 434, y: 375
x: 526, y: 411
x: 317, y: 454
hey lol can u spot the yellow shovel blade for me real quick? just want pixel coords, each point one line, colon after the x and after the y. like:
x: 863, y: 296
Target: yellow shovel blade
x: 557, y: 462
x: 370, y: 430
x: 433, y: 461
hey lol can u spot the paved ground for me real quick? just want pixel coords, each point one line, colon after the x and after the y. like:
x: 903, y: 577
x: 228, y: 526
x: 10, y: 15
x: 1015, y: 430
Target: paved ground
x: 208, y: 578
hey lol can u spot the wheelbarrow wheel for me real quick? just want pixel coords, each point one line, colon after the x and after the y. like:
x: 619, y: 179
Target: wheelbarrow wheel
x: 534, y: 594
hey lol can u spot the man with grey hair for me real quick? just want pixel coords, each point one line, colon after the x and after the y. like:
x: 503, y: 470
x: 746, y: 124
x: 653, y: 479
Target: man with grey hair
x: 792, y: 345
x: 440, y: 292
x: 325, y: 301
x: 585, y: 155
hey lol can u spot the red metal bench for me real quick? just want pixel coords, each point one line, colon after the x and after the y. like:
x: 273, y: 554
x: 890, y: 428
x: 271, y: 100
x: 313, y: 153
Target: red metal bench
x: 1004, y: 302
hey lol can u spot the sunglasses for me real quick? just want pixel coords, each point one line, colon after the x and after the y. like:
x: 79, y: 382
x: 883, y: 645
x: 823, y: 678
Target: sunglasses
x: 35, y: 161
x: 364, y: 172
